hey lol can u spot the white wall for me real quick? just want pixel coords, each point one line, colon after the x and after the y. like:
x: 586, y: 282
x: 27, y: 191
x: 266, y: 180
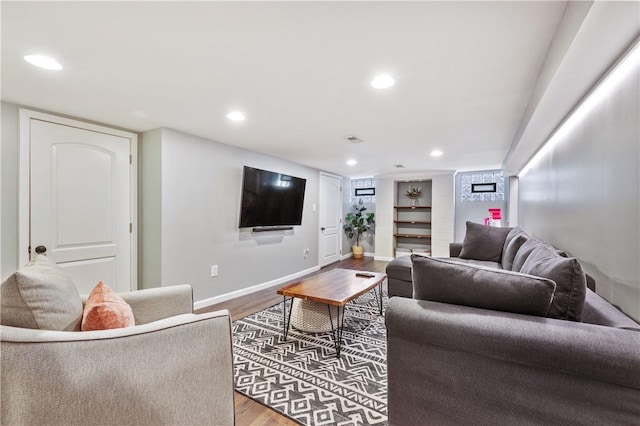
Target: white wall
x: 476, y: 211
x: 583, y: 194
x: 385, y: 198
x: 149, y: 209
x: 442, y: 214
x: 200, y: 197
x: 9, y: 189
x: 189, y: 195
x: 589, y: 38
x: 512, y: 209
x: 346, y: 207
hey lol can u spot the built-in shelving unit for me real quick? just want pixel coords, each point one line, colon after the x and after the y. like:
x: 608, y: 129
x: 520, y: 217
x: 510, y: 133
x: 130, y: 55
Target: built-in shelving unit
x: 412, y: 224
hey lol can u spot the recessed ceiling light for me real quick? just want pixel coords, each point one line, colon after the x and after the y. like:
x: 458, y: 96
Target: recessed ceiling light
x: 352, y: 162
x: 436, y: 153
x: 42, y: 61
x: 383, y: 81
x: 235, y: 116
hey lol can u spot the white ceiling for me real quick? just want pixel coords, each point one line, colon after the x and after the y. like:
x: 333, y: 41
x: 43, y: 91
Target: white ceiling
x: 300, y: 71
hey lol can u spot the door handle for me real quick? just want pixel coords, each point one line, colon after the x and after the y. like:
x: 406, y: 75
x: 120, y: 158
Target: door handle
x: 322, y: 229
x: 41, y: 249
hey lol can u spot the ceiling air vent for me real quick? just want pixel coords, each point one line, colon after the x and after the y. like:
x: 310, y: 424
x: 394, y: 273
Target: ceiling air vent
x: 398, y: 166
x: 354, y: 139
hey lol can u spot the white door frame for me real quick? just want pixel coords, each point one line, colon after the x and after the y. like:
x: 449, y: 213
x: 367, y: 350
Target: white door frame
x: 340, y: 231
x: 24, y: 181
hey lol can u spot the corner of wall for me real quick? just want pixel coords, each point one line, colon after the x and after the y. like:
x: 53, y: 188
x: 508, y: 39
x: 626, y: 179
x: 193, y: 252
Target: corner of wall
x: 9, y: 157
x: 150, y: 209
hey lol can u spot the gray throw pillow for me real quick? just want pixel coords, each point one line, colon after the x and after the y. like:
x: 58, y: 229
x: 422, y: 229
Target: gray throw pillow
x: 567, y: 273
x: 41, y: 296
x: 483, y: 242
x: 515, y: 239
x: 446, y: 281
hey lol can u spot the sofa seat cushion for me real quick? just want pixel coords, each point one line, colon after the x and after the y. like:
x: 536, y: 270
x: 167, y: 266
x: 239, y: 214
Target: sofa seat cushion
x: 41, y: 296
x: 483, y: 242
x: 598, y: 311
x: 567, y: 273
x: 485, y: 263
x: 445, y: 281
x: 399, y: 268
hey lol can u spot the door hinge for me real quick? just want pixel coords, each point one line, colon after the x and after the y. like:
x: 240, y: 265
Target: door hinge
x: 130, y: 228
x: 130, y: 159
x: 29, y: 249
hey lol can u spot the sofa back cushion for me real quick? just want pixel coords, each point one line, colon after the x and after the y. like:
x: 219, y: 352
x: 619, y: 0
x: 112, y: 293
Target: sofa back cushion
x: 41, y: 296
x: 483, y: 242
x: 523, y: 253
x: 515, y: 239
x: 567, y: 273
x: 445, y: 281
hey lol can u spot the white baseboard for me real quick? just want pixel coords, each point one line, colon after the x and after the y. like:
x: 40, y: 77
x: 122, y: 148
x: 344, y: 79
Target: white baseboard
x: 385, y: 258
x: 350, y: 255
x: 242, y: 292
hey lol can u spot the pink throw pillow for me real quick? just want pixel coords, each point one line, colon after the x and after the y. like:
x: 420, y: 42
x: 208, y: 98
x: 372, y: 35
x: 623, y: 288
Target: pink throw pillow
x: 104, y: 310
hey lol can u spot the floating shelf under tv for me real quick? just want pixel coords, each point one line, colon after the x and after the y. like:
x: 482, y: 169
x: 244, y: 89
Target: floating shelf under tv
x: 271, y: 228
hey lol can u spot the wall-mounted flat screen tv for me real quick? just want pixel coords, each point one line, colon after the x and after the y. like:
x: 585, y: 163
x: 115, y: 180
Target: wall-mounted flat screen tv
x: 271, y: 198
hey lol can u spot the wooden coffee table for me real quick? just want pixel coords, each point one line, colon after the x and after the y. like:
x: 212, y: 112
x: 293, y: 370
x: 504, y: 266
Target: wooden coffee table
x: 336, y: 287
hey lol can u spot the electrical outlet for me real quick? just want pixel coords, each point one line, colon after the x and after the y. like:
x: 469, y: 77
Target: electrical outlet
x: 305, y: 253
x: 214, y: 270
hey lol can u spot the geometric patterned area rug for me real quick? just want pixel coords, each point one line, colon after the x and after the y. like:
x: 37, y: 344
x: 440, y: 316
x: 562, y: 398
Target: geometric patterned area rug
x: 301, y: 377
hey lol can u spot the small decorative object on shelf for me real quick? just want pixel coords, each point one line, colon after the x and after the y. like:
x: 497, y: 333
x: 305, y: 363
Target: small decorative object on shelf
x: 413, y: 192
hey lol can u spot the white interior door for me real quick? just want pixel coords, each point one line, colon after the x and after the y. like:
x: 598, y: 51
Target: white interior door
x: 330, y: 199
x: 80, y: 203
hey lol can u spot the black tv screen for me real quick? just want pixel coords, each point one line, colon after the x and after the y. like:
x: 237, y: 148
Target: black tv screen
x: 271, y: 199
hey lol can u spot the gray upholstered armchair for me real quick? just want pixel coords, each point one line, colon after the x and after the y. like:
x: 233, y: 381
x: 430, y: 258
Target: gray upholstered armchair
x: 172, y: 367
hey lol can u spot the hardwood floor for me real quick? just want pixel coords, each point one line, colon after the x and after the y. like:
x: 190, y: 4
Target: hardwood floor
x: 249, y: 412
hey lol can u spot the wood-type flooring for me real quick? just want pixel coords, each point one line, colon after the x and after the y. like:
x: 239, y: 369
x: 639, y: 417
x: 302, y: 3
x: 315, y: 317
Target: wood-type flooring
x: 249, y: 412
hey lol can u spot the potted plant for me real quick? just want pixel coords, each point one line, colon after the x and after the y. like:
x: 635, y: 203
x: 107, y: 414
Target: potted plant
x: 356, y: 224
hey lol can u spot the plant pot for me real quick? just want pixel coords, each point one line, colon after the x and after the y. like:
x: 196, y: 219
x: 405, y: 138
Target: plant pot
x: 358, y: 252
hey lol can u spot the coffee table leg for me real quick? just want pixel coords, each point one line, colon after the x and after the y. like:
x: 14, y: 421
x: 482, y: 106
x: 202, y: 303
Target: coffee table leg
x: 378, y: 297
x: 286, y: 318
x: 336, y: 335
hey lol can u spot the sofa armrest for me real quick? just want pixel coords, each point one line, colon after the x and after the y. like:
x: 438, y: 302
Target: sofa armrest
x: 177, y: 370
x: 455, y: 249
x: 157, y: 303
x: 448, y: 364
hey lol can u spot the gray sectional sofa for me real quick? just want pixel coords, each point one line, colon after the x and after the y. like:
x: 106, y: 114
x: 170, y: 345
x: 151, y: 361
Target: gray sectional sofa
x: 514, y: 336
